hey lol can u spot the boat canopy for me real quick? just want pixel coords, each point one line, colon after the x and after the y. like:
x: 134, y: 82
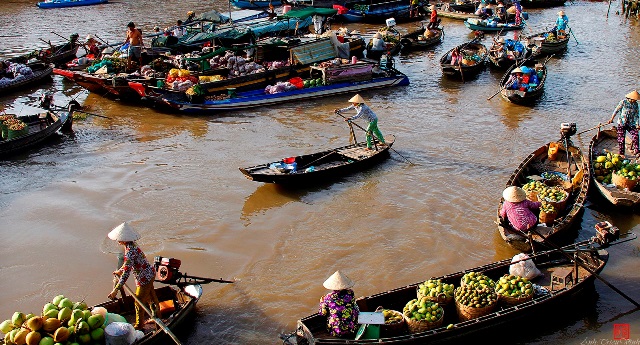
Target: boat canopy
x: 307, y: 12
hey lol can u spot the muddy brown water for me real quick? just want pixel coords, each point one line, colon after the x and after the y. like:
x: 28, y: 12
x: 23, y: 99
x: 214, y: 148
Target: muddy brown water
x: 175, y: 178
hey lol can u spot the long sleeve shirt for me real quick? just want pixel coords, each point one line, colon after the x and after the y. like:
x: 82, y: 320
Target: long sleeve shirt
x: 378, y: 44
x: 628, y: 113
x: 562, y: 22
x: 341, y: 310
x: 520, y: 214
x: 361, y: 110
x: 135, y: 260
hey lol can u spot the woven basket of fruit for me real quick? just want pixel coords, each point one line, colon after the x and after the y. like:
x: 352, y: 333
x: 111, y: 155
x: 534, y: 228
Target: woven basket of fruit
x: 394, y: 323
x: 422, y: 315
x: 474, y: 302
x: 623, y: 182
x: 555, y: 196
x: 513, y: 289
x: 533, y: 188
x: 477, y: 280
x: 548, y: 213
x: 436, y: 291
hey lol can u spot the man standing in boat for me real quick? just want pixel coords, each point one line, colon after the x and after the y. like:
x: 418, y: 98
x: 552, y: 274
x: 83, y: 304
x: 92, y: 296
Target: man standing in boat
x: 357, y: 103
x: 134, y: 38
x: 628, y: 121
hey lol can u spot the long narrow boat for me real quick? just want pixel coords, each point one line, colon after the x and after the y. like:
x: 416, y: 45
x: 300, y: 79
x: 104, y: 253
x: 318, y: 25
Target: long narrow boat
x: 40, y: 71
x: 529, y: 95
x: 540, y: 44
x: 69, y: 3
x: 39, y: 128
x: 607, y: 141
x: 421, y: 40
x: 574, y: 166
x: 378, y: 12
x: 475, y: 25
x: 468, y: 68
x: 57, y: 54
x: 548, y: 297
x: 258, y: 98
x: 510, y: 55
x: 446, y: 12
x: 320, y: 166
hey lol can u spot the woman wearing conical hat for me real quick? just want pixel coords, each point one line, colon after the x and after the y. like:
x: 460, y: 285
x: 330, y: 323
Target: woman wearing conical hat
x: 135, y: 260
x: 357, y: 103
x: 518, y: 210
x: 339, y: 306
x: 561, y: 24
x: 628, y: 121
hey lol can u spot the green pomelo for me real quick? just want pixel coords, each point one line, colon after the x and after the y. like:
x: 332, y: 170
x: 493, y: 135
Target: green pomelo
x: 51, y: 313
x: 64, y: 314
x: 65, y: 302
x: 56, y: 300
x: 80, y: 305
x: 86, y: 314
x: 6, y: 326
x: 95, y: 321
x: 84, y: 338
x: 17, y: 319
x: 97, y: 334
x: 48, y: 307
x: 46, y: 341
x: 82, y: 327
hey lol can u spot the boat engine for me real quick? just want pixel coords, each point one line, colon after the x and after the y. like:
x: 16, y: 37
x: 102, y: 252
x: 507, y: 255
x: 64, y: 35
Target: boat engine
x: 168, y: 272
x: 568, y: 129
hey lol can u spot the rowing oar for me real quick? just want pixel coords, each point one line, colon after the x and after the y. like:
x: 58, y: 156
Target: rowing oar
x: 577, y: 261
x: 92, y: 114
x: 315, y: 160
x: 590, y: 129
x: 573, y: 35
x: 391, y: 148
x: 156, y: 319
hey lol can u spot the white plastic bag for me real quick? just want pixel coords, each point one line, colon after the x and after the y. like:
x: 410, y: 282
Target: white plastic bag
x: 119, y: 333
x: 525, y: 268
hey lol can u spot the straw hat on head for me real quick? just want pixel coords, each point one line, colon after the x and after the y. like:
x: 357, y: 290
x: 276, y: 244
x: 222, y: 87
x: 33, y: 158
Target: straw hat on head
x: 561, y: 13
x: 516, y: 70
x: 633, y: 95
x: 481, y: 6
x: 432, y: 7
x: 377, y: 35
x: 123, y: 233
x: 356, y: 99
x: 514, y: 194
x: 338, y: 281
x: 90, y: 37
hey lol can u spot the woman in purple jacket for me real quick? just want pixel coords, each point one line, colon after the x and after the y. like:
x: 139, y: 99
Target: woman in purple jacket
x: 518, y: 210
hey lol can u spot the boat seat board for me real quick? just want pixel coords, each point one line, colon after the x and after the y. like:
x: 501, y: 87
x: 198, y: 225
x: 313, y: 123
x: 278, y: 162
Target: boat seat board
x: 357, y: 153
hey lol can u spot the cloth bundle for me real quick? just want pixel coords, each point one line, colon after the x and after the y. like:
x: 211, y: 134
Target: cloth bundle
x: 279, y: 87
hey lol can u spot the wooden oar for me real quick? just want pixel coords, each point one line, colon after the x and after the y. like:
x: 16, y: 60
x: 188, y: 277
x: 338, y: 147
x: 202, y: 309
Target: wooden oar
x: 315, y: 160
x: 573, y: 35
x: 590, y: 129
x: 587, y: 269
x: 156, y: 319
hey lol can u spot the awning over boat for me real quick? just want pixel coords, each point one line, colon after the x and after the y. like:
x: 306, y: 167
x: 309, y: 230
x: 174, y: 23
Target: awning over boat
x: 309, y: 12
x: 309, y: 53
x: 213, y: 16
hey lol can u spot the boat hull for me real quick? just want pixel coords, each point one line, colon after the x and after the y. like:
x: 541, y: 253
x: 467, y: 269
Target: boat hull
x: 500, y: 27
x: 77, y: 3
x: 542, y: 47
x: 461, y: 71
x: 523, y: 97
x: 40, y: 130
x: 40, y: 72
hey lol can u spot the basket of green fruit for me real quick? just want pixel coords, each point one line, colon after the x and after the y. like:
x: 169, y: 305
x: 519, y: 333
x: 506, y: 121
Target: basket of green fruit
x: 394, y: 323
x: 625, y: 177
x: 548, y: 213
x: 477, y: 280
x: 533, y: 188
x: 513, y: 289
x: 421, y: 315
x: 436, y: 291
x: 555, y: 196
x: 473, y: 302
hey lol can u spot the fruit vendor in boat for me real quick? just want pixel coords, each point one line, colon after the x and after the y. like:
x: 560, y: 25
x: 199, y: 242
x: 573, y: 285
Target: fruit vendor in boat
x: 561, y: 24
x: 628, y: 121
x: 339, y: 306
x: 357, y: 103
x: 433, y: 19
x: 518, y: 210
x: 135, y: 260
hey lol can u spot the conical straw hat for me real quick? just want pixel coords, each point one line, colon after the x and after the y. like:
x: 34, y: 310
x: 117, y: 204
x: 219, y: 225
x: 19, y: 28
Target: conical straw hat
x: 516, y: 70
x: 514, y: 194
x: 338, y: 281
x: 561, y: 13
x: 633, y: 95
x: 356, y: 99
x: 123, y: 233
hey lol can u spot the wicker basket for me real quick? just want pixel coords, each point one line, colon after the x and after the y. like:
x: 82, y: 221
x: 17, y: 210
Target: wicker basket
x: 441, y: 298
x: 510, y: 301
x: 547, y: 218
x: 393, y: 329
x: 559, y: 205
x: 467, y: 313
x: 623, y: 182
x: 532, y: 195
x: 415, y: 326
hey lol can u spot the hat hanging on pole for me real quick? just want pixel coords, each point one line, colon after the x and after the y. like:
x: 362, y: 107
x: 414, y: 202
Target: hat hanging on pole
x: 338, y: 281
x: 633, y: 95
x: 514, y: 194
x: 356, y: 99
x: 124, y: 233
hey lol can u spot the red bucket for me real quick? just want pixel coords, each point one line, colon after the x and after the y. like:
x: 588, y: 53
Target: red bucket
x: 289, y: 160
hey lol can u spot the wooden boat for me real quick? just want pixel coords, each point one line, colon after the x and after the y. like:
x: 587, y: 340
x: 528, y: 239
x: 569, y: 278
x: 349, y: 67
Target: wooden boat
x: 105, y: 85
x: 320, y: 166
x: 39, y: 128
x: 508, y: 56
x: 446, y: 12
x: 417, y: 40
x: 468, y: 68
x: 184, y: 299
x: 377, y: 12
x: 40, y: 71
x: 574, y: 165
x: 528, y: 96
x: 69, y: 3
x: 391, y: 38
x: 476, y: 25
x: 257, y: 98
x: 540, y: 45
x: 57, y: 54
x: 548, y: 297
x: 607, y: 139
x: 464, y: 6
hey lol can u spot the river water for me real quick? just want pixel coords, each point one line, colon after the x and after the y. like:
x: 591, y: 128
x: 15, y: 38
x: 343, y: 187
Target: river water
x: 175, y: 178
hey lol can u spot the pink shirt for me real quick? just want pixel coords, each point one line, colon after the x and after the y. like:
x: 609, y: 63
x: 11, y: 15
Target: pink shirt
x: 520, y: 214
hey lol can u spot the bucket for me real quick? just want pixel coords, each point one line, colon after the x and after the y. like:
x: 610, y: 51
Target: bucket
x: 286, y: 8
x: 289, y: 160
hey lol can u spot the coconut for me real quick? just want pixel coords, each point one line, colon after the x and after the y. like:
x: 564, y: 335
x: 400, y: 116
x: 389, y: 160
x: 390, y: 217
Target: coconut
x: 51, y: 324
x: 33, y: 338
x: 56, y: 300
x: 20, y: 338
x: 17, y: 319
x: 76, y: 316
x: 97, y: 334
x: 6, y: 326
x: 46, y: 341
x: 51, y: 313
x: 82, y: 327
x: 61, y: 335
x: 65, y: 302
x: 64, y: 314
x: 35, y: 323
x: 95, y: 321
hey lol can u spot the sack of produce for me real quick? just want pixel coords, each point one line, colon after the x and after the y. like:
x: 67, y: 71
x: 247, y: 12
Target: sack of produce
x: 552, y: 152
x: 394, y: 323
x: 513, y: 289
x: 473, y: 302
x: 421, y: 315
x: 436, y: 291
x: 524, y: 267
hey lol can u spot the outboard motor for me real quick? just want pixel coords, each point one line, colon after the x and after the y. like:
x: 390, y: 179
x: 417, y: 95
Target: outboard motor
x: 567, y: 129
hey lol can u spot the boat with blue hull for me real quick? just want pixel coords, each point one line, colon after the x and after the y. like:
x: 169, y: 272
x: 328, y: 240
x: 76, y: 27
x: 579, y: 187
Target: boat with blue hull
x: 481, y: 25
x: 377, y: 12
x: 69, y: 3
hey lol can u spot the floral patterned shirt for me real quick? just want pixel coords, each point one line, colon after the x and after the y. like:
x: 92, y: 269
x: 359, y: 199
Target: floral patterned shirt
x: 134, y: 259
x: 520, y: 214
x: 628, y: 113
x: 342, y: 311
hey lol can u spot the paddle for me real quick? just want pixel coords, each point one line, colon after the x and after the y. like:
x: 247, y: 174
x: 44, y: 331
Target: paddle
x: 590, y: 129
x: 391, y: 148
x: 587, y: 269
x: 573, y: 35
x: 156, y: 319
